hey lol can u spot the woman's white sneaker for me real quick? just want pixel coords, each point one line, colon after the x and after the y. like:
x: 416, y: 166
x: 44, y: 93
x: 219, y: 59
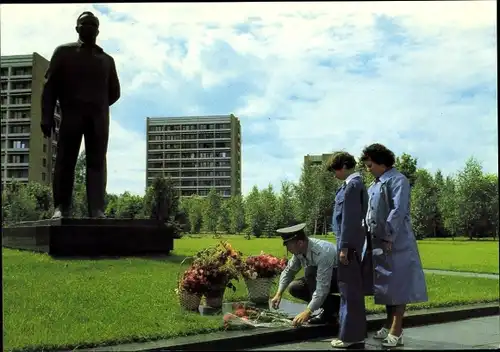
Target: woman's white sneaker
x: 381, y: 334
x: 336, y: 343
x: 393, y: 341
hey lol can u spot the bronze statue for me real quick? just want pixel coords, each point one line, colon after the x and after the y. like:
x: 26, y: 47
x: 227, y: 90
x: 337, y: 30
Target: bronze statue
x: 84, y: 80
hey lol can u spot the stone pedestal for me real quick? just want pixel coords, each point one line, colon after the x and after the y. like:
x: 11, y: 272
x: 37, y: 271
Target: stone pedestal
x: 90, y: 237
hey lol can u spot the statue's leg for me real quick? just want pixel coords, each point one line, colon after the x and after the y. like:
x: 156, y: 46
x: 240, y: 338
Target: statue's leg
x: 96, y: 147
x: 68, y: 146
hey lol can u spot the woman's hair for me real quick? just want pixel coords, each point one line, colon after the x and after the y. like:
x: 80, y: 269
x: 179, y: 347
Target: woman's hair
x: 379, y: 154
x: 340, y: 159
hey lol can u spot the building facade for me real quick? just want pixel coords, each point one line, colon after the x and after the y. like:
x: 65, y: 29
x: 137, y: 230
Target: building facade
x: 198, y: 153
x: 316, y: 159
x: 26, y: 154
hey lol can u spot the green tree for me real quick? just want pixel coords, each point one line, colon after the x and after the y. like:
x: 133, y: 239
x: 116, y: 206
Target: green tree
x: 129, y: 206
x: 308, y: 194
x: 43, y: 196
x: 111, y: 201
x: 269, y: 206
x: 161, y: 200
x: 472, y: 199
x: 18, y: 204
x: 424, y: 207
x: 193, y: 207
x: 236, y: 214
x: 407, y: 165
x: 492, y: 207
x: 224, y: 223
x: 255, y: 217
x: 286, y: 205
x: 213, y: 203
x: 448, y: 206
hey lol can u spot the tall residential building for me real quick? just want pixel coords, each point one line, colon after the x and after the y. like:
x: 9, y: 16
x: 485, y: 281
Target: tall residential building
x: 316, y: 159
x: 26, y: 154
x: 198, y: 152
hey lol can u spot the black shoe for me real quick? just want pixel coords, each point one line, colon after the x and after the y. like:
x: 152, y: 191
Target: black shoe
x: 322, y: 319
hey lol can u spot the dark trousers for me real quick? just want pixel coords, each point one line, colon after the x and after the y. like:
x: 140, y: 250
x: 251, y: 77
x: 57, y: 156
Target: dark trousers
x: 93, y: 124
x: 304, y: 288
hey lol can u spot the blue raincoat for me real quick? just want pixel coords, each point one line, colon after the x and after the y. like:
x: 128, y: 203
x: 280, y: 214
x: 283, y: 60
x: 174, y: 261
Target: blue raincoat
x: 348, y: 214
x: 398, y: 275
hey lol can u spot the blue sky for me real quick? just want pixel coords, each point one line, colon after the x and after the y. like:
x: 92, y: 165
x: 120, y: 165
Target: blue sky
x: 302, y: 77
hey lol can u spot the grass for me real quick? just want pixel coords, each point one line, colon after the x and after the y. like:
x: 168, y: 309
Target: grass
x: 63, y: 304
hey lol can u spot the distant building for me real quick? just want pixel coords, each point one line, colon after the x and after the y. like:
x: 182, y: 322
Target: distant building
x: 198, y: 152
x: 316, y: 159
x: 26, y: 154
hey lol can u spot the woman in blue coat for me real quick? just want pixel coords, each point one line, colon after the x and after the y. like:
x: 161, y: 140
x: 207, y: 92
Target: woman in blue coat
x: 398, y: 275
x: 348, y: 214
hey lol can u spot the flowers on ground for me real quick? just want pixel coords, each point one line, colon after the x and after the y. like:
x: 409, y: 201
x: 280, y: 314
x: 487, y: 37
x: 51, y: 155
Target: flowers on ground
x: 263, y: 266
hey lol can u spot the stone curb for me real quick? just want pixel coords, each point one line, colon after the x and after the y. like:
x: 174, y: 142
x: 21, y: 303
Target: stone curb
x: 247, y: 339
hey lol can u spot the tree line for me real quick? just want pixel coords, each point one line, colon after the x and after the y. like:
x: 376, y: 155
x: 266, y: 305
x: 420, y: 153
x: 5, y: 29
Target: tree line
x: 464, y: 204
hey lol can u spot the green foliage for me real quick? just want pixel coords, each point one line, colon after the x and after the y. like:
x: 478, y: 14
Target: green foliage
x: 224, y: 223
x: 43, y: 197
x: 424, y: 207
x: 407, y: 165
x: 129, y: 206
x: 236, y: 214
x: 211, y: 210
x: 193, y: 207
x: 269, y: 206
x: 18, y: 204
x: 255, y: 217
x: 161, y: 201
x: 287, y: 205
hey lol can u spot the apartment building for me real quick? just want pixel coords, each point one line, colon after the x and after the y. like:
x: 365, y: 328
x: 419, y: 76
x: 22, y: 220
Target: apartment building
x: 26, y: 154
x: 316, y: 159
x: 198, y: 152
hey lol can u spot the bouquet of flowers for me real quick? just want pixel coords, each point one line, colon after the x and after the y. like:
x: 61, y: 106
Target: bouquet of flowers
x: 243, y: 316
x: 194, y: 281
x: 263, y: 266
x: 219, y: 264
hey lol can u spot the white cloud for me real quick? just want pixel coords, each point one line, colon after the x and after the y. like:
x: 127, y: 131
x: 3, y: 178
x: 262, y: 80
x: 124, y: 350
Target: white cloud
x: 409, y: 101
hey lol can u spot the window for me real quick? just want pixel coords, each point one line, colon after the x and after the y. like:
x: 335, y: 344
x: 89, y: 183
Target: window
x: 44, y: 162
x: 45, y: 148
x: 43, y: 176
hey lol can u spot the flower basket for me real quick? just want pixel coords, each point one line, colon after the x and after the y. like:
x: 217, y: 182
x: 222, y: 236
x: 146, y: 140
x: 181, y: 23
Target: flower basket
x: 189, y: 301
x: 259, y: 273
x: 215, y: 295
x: 259, y: 289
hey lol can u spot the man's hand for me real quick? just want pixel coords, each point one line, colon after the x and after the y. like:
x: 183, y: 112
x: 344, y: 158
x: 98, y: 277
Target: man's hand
x: 275, y: 302
x: 343, y: 256
x: 301, y: 318
x: 48, y: 129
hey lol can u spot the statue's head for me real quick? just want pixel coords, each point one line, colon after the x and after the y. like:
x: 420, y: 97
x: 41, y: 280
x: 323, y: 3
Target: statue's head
x: 87, y: 26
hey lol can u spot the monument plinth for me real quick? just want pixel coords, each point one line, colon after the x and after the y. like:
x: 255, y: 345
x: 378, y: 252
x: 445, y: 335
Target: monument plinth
x: 90, y: 237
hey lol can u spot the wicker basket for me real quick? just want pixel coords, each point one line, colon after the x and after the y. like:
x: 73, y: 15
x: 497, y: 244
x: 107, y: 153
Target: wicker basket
x: 189, y: 301
x: 258, y: 289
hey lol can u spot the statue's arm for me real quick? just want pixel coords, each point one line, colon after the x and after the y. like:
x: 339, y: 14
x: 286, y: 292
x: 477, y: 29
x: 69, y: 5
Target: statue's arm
x: 114, y: 84
x: 50, y: 92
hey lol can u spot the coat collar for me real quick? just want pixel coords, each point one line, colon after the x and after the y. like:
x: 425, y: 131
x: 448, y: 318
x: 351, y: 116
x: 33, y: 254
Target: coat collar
x: 83, y: 45
x: 386, y: 175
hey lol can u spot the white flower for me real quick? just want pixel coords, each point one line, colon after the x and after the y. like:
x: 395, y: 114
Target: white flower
x: 254, y: 275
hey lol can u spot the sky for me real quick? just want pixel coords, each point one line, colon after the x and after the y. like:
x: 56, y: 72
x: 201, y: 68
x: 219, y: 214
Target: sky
x: 304, y: 78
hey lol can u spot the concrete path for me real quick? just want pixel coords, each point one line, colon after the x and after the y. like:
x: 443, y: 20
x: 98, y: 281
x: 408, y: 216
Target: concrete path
x: 478, y: 333
x: 461, y: 273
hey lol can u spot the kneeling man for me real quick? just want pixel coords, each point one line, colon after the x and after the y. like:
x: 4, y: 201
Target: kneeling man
x: 319, y: 260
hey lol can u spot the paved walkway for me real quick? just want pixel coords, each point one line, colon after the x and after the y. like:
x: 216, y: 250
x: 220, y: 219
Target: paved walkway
x: 461, y: 273
x: 478, y: 333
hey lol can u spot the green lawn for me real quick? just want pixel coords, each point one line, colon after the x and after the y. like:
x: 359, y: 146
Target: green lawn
x: 52, y: 303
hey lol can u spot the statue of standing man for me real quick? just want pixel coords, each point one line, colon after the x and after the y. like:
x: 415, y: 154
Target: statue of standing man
x: 84, y: 80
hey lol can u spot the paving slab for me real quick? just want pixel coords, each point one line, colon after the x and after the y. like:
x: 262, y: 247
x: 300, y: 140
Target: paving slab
x: 477, y: 333
x: 256, y: 338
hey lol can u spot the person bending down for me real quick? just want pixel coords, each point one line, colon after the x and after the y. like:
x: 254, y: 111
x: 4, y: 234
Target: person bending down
x: 319, y: 260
